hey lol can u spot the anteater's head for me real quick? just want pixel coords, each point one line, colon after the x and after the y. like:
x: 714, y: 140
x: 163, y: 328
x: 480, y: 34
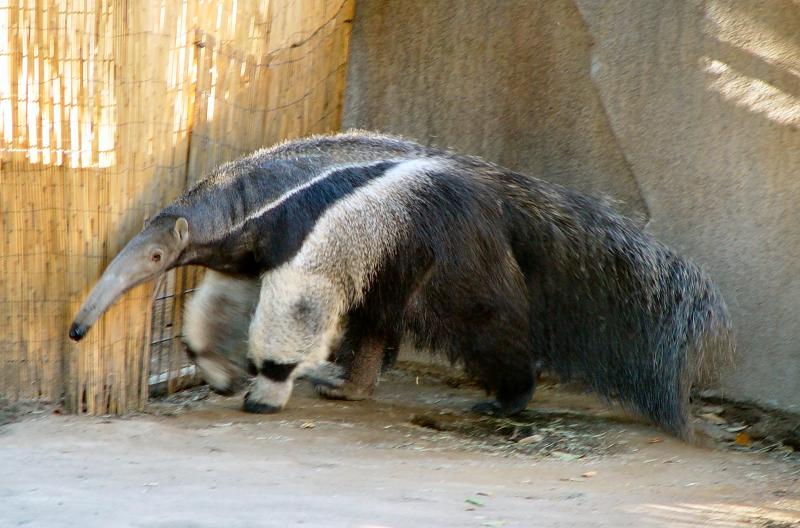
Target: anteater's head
x: 156, y: 249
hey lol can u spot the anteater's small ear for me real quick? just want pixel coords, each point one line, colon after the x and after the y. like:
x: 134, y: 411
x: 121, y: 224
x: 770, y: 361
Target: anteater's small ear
x: 144, y: 221
x: 182, y: 230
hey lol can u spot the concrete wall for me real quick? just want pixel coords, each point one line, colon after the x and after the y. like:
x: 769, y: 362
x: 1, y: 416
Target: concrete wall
x: 686, y: 111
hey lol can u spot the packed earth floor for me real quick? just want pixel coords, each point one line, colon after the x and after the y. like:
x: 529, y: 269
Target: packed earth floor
x: 413, y: 457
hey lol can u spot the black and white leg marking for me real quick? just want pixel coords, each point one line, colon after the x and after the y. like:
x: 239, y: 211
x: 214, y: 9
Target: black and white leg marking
x: 271, y: 389
x: 293, y: 330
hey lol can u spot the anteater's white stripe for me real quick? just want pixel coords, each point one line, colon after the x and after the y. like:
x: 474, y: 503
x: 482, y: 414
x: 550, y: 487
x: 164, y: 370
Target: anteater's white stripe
x: 361, y: 230
x: 335, y: 266
x: 269, y: 206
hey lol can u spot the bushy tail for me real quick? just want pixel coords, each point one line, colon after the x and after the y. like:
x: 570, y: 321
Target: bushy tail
x: 690, y: 341
x: 618, y: 311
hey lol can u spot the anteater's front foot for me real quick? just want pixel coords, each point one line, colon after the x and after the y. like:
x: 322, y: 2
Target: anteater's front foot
x: 258, y: 407
x: 222, y: 376
x: 267, y: 396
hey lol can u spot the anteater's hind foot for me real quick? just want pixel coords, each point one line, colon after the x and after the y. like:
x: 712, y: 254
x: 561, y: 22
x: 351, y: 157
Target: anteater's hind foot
x: 330, y: 381
x: 326, y: 374
x: 512, y: 398
x: 360, y: 375
x: 505, y: 407
x: 348, y: 391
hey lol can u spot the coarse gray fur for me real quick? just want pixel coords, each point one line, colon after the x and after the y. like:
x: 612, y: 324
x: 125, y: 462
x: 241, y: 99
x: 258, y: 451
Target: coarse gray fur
x: 607, y: 304
x: 214, y: 207
x: 500, y: 271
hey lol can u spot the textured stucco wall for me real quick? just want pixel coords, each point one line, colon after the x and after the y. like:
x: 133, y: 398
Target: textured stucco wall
x: 686, y: 111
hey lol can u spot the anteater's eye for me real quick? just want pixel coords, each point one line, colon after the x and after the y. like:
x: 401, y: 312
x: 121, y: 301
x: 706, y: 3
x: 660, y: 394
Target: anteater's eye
x: 155, y: 256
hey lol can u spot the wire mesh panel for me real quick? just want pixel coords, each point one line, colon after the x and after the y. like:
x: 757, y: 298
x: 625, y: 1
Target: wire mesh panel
x: 108, y: 110
x: 170, y: 368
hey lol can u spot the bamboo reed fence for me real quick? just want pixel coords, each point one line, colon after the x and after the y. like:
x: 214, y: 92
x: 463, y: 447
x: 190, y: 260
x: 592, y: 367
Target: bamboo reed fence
x: 108, y: 110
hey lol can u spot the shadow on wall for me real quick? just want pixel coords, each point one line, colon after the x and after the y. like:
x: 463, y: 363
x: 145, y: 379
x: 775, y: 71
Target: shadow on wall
x: 686, y: 110
x: 704, y: 97
x: 507, y: 81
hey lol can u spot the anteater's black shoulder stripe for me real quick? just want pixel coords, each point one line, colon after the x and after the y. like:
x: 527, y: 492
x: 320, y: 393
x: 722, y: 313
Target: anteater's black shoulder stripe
x: 283, y: 229
x: 272, y: 234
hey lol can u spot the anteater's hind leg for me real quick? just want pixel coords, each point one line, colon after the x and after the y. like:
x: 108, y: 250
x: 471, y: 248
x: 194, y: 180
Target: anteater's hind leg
x: 492, y: 339
x: 362, y: 353
x: 361, y: 359
x: 511, y: 398
x: 505, y: 367
x: 216, y: 323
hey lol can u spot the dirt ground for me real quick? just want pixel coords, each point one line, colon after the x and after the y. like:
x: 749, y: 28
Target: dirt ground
x: 413, y: 457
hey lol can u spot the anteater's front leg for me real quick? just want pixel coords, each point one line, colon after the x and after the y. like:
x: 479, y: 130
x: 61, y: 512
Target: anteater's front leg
x: 294, y: 327
x: 216, y: 324
x: 272, y: 386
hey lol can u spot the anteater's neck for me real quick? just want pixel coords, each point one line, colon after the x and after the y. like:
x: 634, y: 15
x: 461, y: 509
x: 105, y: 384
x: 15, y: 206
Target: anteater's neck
x: 253, y: 222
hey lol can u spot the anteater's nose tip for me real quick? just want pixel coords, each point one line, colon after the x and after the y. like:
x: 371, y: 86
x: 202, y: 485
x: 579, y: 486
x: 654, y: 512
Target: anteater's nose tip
x: 76, y: 332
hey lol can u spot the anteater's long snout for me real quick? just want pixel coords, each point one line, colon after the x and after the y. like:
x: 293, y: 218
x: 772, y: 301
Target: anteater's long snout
x: 107, y: 290
x: 77, y: 331
x: 124, y: 272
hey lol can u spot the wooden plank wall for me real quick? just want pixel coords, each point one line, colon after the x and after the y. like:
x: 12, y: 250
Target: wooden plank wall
x: 108, y: 110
